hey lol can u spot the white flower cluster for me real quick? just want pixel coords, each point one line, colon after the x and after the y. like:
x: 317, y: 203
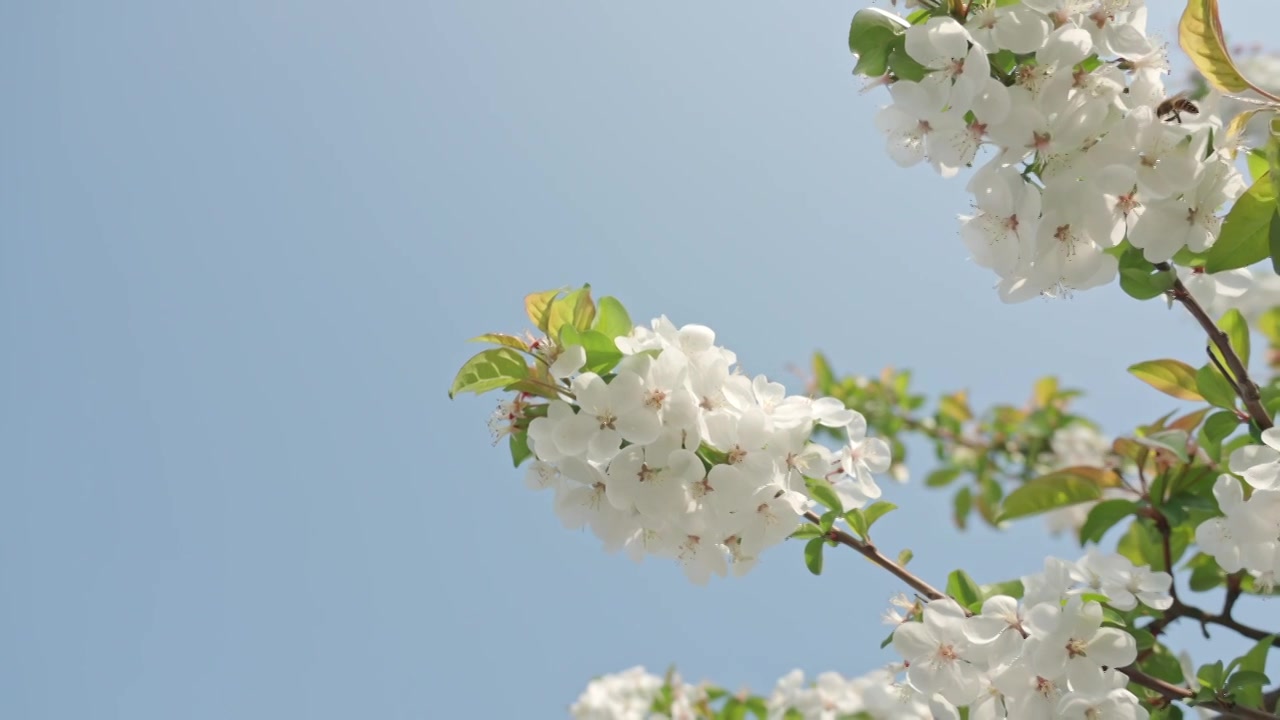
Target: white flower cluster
x: 1247, y: 537
x: 678, y: 454
x: 1069, y: 96
x: 629, y: 695
x: 1047, y: 656
x: 876, y: 695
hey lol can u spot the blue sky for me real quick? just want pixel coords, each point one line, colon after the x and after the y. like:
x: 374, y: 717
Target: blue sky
x: 242, y: 245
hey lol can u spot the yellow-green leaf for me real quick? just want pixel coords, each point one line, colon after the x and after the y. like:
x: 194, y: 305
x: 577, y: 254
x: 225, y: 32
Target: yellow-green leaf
x: 502, y: 339
x: 575, y: 309
x: 1200, y: 34
x: 1096, y: 475
x: 612, y: 319
x: 1049, y: 492
x: 1171, y: 377
x: 1243, y: 239
x: 1215, y: 388
x: 956, y: 406
x: 489, y: 370
x: 1269, y: 325
x: 1045, y: 390
x: 538, y: 305
x: 823, y: 377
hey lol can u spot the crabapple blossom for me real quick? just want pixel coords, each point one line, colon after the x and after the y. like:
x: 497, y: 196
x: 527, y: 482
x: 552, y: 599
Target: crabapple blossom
x: 1259, y: 465
x: 676, y: 453
x: 1064, y: 95
x: 940, y: 657
x: 1070, y: 641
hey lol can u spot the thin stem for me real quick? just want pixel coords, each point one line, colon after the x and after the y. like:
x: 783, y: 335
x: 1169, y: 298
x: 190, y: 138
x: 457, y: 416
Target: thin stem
x: 869, y: 551
x: 1162, y: 523
x: 1247, y: 389
x: 944, y: 435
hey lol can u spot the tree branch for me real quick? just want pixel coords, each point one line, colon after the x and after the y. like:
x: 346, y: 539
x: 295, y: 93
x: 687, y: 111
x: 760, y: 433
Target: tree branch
x: 869, y: 551
x: 1179, y: 610
x: 1247, y: 389
x: 1169, y: 691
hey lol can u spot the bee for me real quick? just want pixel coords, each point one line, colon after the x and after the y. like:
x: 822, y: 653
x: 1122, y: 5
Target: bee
x: 1172, y: 108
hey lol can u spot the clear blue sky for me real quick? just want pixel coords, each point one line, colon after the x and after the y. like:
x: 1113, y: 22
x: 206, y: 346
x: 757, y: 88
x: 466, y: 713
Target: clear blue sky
x: 242, y: 243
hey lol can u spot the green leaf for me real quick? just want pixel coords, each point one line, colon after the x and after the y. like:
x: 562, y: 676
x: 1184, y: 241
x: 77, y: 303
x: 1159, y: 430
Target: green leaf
x: 1237, y: 330
x: 858, y: 522
x: 1205, y: 573
x: 1200, y: 34
x: 942, y: 477
x: 962, y: 505
x: 903, y: 65
x: 1243, y: 239
x: 822, y: 491
x: 1220, y: 425
x: 1171, y: 377
x: 1048, y: 492
x: 1143, y: 637
x: 602, y: 353
x: 1256, y: 159
x: 1269, y: 325
x: 871, y: 37
x: 1246, y: 684
x: 1246, y: 678
x: 1174, y: 441
x: 612, y: 320
x: 823, y: 377
x: 883, y: 644
x: 502, y: 339
x: 489, y: 370
x: 962, y: 587
x: 1214, y: 387
x: 1210, y: 675
x: 1004, y: 61
x: 575, y: 309
x: 1139, y: 278
x: 1256, y: 658
x: 828, y: 521
x: 904, y: 557
x: 1012, y: 588
x: 1217, y: 428
x: 538, y: 305
x: 808, y: 531
x: 1273, y: 240
x: 877, y: 510
x: 1110, y: 614
x: 1103, y: 517
x: 813, y: 555
x: 519, y: 444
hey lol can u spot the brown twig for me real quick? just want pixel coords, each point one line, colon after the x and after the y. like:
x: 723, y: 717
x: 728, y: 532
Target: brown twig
x: 869, y: 551
x: 1247, y: 389
x: 1178, y: 610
